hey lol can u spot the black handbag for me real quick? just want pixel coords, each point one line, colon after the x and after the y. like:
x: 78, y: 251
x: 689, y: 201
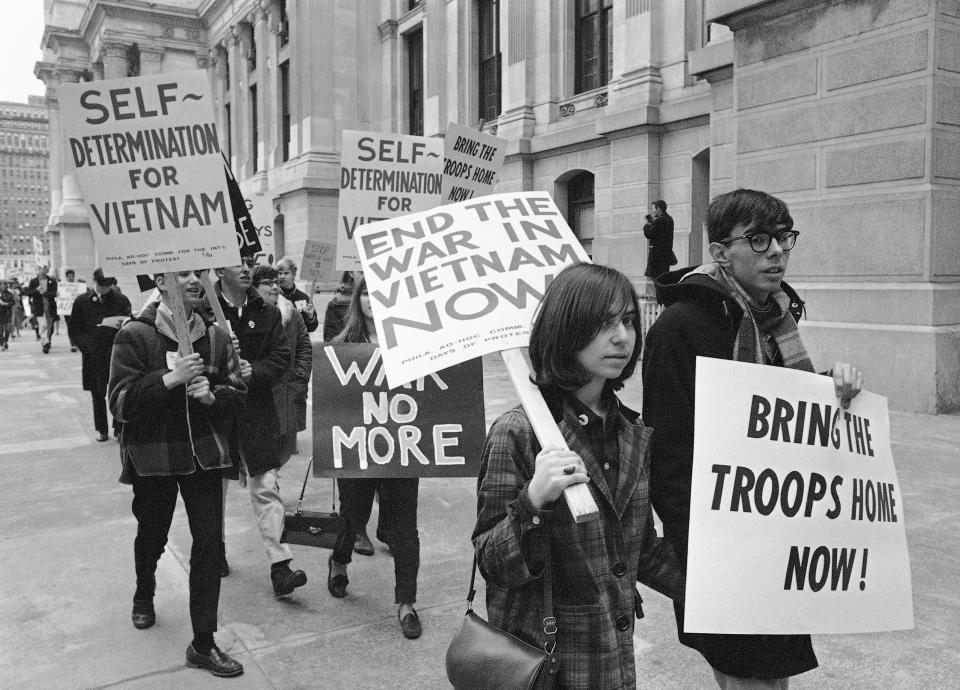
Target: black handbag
x: 311, y: 527
x: 482, y: 655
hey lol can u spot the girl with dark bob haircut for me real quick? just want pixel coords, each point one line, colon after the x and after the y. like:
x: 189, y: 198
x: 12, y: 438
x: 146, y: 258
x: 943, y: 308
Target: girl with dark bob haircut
x: 584, y: 344
x: 578, y: 304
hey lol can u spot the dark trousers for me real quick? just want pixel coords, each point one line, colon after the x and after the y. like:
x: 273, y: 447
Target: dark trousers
x: 154, y: 499
x: 398, y: 512
x: 99, y: 398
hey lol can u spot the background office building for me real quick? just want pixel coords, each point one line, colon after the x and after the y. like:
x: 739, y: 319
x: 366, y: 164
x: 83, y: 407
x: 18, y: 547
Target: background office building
x: 848, y: 110
x: 24, y: 186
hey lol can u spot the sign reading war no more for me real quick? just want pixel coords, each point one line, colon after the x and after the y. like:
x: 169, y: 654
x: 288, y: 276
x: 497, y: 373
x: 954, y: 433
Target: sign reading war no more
x: 462, y: 280
x: 146, y: 154
x: 796, y: 514
x: 432, y: 427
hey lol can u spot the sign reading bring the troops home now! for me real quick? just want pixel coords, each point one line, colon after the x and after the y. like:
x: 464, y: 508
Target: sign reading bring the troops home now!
x: 147, y: 157
x: 383, y: 176
x: 461, y: 280
x: 432, y: 427
x: 471, y: 162
x: 796, y: 514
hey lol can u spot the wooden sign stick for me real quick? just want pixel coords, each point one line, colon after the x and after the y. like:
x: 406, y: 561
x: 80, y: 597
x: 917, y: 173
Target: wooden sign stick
x: 578, y: 496
x: 207, y: 283
x: 175, y: 302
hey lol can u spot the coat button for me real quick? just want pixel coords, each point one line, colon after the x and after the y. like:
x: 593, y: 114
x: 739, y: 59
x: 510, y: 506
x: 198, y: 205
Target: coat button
x: 619, y: 569
x: 623, y: 622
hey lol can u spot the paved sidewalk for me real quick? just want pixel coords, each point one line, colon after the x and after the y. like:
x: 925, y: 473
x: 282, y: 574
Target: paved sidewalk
x: 66, y: 570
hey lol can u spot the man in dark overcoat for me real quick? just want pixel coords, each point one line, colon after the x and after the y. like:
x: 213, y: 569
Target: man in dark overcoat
x: 42, y: 292
x: 95, y: 319
x: 659, y: 233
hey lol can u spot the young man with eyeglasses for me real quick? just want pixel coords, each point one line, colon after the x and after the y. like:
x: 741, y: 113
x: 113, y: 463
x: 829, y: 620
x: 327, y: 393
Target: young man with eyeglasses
x: 736, y: 307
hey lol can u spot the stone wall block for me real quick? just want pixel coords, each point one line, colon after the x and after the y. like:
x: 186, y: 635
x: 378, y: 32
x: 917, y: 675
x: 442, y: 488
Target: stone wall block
x: 626, y: 196
x: 946, y: 238
x: 857, y: 238
x: 676, y: 166
x: 947, y: 106
x: 946, y: 155
x: 950, y: 8
x: 878, y: 60
x: 629, y: 171
x: 889, y: 160
x: 722, y: 130
x: 948, y: 50
x: 792, y: 173
x: 865, y: 112
x: 777, y: 84
x: 823, y: 23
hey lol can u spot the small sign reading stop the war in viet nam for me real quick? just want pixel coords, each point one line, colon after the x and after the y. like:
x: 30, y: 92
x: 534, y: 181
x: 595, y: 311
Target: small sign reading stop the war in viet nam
x: 796, y: 514
x: 383, y: 176
x: 431, y: 427
x: 146, y: 154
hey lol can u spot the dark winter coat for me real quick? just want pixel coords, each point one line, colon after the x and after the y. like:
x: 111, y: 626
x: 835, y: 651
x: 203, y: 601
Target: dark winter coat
x: 157, y: 439
x: 700, y: 318
x: 290, y: 392
x: 659, y: 233
x: 263, y: 344
x: 38, y: 298
x: 594, y: 565
x: 93, y: 340
x: 300, y: 301
x: 335, y: 318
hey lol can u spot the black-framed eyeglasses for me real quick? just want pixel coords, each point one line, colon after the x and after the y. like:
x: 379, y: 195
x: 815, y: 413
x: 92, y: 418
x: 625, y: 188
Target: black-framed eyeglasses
x: 269, y: 283
x: 760, y: 241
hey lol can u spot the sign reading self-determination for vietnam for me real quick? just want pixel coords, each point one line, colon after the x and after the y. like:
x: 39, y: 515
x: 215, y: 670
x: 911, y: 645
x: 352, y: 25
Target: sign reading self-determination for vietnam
x: 471, y: 162
x: 147, y: 157
x: 462, y: 280
x: 383, y: 176
x: 796, y: 515
x: 432, y: 427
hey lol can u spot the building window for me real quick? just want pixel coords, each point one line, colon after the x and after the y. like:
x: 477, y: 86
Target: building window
x: 254, y: 133
x: 594, y: 44
x: 228, y: 121
x: 580, y: 209
x: 252, y: 52
x: 489, y: 60
x: 226, y: 71
x: 285, y: 110
x: 415, y: 81
x: 283, y: 25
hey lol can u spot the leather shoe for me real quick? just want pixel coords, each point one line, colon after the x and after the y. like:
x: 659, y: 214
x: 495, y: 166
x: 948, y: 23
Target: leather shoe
x: 363, y: 545
x: 336, y: 584
x: 286, y: 580
x: 102, y: 437
x: 143, y: 614
x: 410, y: 625
x: 218, y: 663
x: 46, y: 348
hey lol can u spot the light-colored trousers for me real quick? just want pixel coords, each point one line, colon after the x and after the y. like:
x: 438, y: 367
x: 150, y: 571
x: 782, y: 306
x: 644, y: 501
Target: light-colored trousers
x: 268, y: 509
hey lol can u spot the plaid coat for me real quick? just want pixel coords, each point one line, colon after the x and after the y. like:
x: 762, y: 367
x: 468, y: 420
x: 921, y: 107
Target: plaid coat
x: 594, y: 564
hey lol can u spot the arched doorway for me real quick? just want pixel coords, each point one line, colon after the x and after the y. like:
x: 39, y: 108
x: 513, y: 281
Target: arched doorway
x: 699, y: 201
x: 574, y: 196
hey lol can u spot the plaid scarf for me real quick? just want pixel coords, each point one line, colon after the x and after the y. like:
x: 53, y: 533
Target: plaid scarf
x: 764, y: 329
x: 165, y: 324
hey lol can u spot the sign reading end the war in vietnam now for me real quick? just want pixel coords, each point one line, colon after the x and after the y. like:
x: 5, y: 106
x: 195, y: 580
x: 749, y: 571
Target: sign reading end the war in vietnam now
x: 462, y: 280
x: 147, y: 157
x: 383, y: 176
x: 796, y: 515
x: 432, y: 427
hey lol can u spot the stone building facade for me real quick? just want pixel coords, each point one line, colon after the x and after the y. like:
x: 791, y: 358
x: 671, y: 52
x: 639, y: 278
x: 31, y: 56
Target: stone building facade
x: 24, y: 185
x: 845, y: 109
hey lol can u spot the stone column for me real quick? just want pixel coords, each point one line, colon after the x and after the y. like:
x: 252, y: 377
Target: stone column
x: 237, y: 100
x: 151, y: 58
x: 637, y: 48
x: 266, y: 73
x: 390, y: 60
x: 517, y: 21
x: 114, y: 58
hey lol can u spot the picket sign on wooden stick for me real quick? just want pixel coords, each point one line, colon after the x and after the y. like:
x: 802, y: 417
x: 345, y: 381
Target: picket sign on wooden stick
x: 175, y: 302
x: 578, y: 496
x: 207, y: 283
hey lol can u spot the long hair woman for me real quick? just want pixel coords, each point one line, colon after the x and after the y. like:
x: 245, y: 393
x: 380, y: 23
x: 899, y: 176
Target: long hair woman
x: 398, y: 501
x: 583, y: 346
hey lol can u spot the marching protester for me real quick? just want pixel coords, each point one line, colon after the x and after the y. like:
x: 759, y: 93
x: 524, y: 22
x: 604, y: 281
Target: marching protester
x: 178, y: 414
x: 17, y: 315
x: 290, y: 392
x: 335, y: 316
x: 70, y: 276
x: 398, y: 502
x: 264, y: 352
x: 95, y: 319
x: 737, y: 308
x: 583, y: 346
x: 42, y: 292
x: 287, y: 273
x: 7, y: 302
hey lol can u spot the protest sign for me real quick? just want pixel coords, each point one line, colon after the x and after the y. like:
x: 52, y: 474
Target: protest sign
x: 471, y: 162
x: 462, y: 280
x: 433, y: 427
x: 383, y: 176
x: 260, y: 209
x: 796, y: 515
x: 146, y: 154
x: 66, y: 293
x: 318, y: 260
x: 248, y: 239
